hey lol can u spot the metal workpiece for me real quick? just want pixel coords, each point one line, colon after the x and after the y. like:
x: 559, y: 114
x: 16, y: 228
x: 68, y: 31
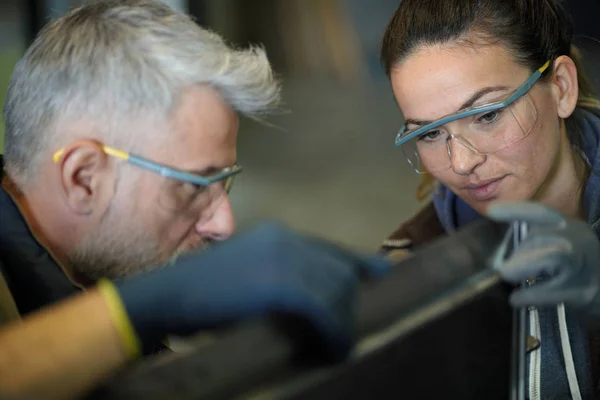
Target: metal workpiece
x: 438, y: 326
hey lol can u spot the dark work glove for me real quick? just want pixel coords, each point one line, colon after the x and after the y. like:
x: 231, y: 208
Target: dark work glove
x: 565, y: 251
x: 268, y: 269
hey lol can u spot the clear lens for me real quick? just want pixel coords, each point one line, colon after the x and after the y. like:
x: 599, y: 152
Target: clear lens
x: 194, y: 201
x: 485, y: 133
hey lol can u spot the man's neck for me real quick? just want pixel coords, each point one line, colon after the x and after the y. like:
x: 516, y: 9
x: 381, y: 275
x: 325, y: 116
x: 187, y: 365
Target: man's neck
x: 35, y: 218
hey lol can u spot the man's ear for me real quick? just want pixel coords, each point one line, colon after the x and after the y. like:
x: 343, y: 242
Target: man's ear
x: 87, y: 177
x: 565, y: 86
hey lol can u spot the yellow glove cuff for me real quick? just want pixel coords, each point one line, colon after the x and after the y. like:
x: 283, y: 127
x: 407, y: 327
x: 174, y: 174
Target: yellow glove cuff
x: 129, y: 338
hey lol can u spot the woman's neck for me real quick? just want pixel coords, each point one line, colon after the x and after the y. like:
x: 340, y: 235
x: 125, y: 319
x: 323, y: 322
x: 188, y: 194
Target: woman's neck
x: 565, y: 187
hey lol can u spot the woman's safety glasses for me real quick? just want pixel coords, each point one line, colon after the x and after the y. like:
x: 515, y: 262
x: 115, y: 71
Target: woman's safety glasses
x: 483, y: 129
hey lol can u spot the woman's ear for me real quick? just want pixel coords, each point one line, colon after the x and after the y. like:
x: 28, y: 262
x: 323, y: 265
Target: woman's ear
x: 565, y: 86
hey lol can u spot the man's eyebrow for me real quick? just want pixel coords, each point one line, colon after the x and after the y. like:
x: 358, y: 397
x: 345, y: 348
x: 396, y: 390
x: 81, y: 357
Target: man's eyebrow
x: 470, y: 101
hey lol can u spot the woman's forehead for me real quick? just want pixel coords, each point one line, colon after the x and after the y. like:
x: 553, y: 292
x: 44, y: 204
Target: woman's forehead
x: 436, y: 81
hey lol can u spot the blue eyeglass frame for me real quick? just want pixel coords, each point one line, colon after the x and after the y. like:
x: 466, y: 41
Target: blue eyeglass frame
x: 521, y: 91
x: 163, y: 170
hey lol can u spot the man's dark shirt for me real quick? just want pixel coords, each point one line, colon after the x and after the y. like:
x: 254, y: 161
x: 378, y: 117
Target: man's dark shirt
x: 33, y: 277
x: 35, y: 280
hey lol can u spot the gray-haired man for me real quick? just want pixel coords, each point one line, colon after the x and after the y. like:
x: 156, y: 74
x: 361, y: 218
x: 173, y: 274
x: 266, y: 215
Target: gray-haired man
x: 121, y: 124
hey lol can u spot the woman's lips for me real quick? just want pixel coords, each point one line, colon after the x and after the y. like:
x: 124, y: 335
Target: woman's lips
x: 484, y: 190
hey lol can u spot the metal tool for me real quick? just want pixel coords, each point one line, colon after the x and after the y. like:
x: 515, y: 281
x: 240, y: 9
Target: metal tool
x: 519, y: 337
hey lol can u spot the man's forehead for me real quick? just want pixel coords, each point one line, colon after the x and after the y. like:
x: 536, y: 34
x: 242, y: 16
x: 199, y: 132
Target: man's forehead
x: 202, y: 134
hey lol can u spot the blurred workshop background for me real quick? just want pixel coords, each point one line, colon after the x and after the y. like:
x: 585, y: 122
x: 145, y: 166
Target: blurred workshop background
x: 326, y: 165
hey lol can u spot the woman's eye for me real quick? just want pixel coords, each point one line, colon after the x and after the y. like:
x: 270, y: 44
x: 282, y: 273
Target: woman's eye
x: 430, y: 136
x: 489, y: 118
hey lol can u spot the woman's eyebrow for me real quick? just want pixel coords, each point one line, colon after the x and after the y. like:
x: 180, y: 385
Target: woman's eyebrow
x: 468, y: 103
x: 479, y: 94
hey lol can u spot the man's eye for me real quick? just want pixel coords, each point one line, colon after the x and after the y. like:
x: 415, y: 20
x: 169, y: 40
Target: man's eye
x: 197, y: 189
x: 190, y: 190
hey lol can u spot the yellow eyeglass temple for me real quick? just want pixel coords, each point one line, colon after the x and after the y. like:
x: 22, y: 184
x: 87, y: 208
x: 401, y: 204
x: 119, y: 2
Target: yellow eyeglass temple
x: 108, y: 150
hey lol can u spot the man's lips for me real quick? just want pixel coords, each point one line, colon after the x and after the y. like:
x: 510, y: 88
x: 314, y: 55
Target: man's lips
x: 484, y: 190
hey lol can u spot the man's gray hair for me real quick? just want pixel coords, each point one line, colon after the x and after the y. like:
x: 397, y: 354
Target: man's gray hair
x: 114, y: 60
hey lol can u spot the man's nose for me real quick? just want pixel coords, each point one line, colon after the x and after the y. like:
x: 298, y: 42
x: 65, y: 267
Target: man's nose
x: 463, y: 158
x: 221, y: 225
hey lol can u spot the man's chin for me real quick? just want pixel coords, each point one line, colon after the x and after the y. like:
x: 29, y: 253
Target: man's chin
x: 188, y: 250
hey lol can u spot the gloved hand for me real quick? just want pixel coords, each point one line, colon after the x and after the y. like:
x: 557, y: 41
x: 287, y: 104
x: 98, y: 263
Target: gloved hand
x: 565, y: 250
x: 268, y: 269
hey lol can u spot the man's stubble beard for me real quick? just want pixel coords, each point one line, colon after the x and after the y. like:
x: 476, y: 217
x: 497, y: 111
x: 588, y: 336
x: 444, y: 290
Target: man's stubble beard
x: 120, y: 247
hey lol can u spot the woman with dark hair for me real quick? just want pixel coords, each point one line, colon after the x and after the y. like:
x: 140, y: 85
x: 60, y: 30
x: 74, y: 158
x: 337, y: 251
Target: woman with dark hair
x: 502, y: 123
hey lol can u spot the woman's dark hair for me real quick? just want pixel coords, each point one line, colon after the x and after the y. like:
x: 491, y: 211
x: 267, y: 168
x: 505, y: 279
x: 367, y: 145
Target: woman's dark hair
x: 534, y: 31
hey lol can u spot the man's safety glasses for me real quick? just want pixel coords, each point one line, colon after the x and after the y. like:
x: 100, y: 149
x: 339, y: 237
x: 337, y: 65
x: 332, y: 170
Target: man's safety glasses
x: 191, y: 194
